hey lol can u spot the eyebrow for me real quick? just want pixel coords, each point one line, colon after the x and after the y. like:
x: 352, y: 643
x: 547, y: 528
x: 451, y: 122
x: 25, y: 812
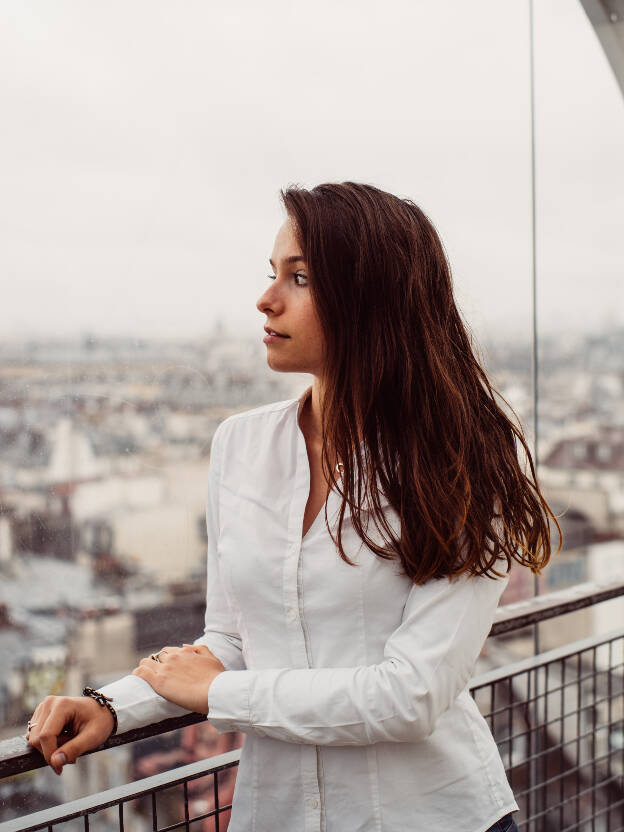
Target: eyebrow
x: 295, y: 258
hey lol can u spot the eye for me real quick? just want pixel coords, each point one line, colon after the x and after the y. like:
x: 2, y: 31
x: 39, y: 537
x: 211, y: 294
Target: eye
x: 296, y: 275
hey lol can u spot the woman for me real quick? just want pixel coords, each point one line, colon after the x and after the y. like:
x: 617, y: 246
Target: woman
x: 359, y: 539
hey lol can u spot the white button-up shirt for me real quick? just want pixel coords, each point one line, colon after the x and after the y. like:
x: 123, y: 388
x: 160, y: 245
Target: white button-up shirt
x: 349, y: 682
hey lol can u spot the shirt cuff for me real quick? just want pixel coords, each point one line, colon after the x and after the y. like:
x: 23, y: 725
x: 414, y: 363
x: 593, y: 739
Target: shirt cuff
x: 228, y: 701
x: 137, y: 704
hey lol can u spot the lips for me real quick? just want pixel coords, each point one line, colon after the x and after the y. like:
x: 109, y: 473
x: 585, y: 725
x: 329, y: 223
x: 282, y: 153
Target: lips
x: 270, y: 331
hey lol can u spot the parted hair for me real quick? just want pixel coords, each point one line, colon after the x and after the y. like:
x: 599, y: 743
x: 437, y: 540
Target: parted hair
x: 408, y: 410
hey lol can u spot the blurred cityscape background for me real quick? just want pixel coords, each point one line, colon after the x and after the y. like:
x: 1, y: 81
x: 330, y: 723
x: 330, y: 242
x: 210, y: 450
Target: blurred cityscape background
x: 141, y: 166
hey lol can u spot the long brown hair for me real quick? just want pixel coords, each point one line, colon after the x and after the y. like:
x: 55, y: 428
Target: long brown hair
x: 406, y: 403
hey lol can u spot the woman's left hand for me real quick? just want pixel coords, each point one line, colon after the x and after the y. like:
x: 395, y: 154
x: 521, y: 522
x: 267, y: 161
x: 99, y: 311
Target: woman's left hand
x: 183, y: 675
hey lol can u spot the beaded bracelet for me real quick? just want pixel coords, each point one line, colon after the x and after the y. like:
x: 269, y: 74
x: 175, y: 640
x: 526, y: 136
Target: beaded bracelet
x: 105, y: 701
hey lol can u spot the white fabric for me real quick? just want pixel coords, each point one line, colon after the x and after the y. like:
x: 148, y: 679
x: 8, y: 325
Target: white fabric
x: 349, y: 682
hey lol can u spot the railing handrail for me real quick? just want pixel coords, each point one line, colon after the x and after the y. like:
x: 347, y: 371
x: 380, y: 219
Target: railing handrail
x: 552, y: 604
x: 16, y: 756
x: 557, y: 654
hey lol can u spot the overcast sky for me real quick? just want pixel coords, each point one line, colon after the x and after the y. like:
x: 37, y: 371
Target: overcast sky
x: 143, y: 145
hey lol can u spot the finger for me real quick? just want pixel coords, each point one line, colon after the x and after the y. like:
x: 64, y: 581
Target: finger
x: 33, y: 719
x: 167, y: 652
x: 161, y: 655
x: 150, y: 664
x: 145, y: 672
x: 167, y: 649
x: 86, y: 739
x: 39, y: 717
x: 58, y: 717
x: 37, y: 710
x: 195, y: 648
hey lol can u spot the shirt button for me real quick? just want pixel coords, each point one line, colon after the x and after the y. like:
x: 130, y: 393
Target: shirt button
x: 292, y: 614
x: 312, y: 803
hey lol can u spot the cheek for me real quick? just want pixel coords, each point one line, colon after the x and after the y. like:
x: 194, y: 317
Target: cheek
x: 313, y: 342
x: 314, y: 329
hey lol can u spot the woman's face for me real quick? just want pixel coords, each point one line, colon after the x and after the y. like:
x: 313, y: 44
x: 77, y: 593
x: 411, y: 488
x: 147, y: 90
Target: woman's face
x: 287, y: 304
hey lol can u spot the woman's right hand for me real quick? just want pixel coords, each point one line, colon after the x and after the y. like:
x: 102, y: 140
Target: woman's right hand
x: 90, y: 723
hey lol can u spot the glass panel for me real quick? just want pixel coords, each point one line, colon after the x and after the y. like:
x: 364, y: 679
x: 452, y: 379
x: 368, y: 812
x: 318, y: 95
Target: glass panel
x: 580, y: 310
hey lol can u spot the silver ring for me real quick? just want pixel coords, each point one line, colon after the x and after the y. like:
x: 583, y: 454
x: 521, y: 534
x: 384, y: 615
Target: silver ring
x: 32, y: 725
x: 156, y: 656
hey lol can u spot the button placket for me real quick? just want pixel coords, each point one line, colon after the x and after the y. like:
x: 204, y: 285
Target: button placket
x: 295, y: 625
x: 290, y: 592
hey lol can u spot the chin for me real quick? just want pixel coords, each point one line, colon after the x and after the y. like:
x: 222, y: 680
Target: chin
x: 281, y: 366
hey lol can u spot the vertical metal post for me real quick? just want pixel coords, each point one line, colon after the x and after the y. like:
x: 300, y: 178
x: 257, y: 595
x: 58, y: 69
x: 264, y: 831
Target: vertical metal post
x: 579, y: 732
x: 609, y: 726
x: 187, y: 825
x: 592, y: 740
x: 561, y: 762
x: 534, y: 344
x: 216, y: 800
x: 533, y: 730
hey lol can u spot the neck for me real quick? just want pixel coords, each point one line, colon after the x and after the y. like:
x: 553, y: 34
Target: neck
x: 312, y: 410
x: 314, y: 405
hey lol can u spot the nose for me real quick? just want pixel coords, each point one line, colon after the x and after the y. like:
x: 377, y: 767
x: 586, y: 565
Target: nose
x: 271, y: 300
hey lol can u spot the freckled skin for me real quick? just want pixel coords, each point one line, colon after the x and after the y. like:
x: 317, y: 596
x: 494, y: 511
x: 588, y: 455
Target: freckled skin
x: 288, y: 308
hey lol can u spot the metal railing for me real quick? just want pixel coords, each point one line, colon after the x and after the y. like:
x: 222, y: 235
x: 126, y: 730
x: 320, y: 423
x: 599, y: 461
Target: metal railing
x: 558, y: 720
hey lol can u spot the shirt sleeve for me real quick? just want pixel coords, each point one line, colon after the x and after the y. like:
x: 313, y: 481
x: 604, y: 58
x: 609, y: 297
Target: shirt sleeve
x: 135, y: 701
x: 428, y: 661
